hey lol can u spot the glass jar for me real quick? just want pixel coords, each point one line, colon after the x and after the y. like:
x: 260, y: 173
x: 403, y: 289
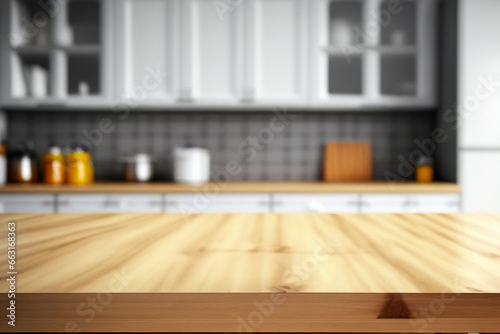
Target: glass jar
x: 424, y: 172
x: 80, y: 168
x: 53, y: 166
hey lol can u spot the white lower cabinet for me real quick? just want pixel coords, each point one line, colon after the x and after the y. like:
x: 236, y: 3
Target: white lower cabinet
x: 434, y: 203
x: 385, y: 203
x: 478, y: 176
x: 110, y: 203
x: 311, y: 203
x: 410, y: 203
x: 230, y: 203
x: 223, y: 203
x: 23, y: 203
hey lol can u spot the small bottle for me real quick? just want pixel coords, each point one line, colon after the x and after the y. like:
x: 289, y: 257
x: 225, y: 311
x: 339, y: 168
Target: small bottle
x: 3, y: 164
x: 80, y: 169
x: 53, y: 166
x: 425, y: 170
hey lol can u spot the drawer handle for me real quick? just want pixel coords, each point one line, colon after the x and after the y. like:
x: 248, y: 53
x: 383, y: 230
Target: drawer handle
x: 63, y: 203
x: 48, y: 203
x: 112, y: 203
x: 185, y: 100
x: 173, y: 203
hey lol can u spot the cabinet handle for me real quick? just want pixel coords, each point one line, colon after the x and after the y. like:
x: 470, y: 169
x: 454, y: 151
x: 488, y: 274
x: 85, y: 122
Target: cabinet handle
x: 112, y: 203
x: 155, y: 203
x: 264, y: 203
x: 173, y: 203
x: 248, y: 96
x: 185, y: 96
x: 364, y: 204
x: 408, y: 204
x: 353, y: 203
x: 185, y: 100
x: 63, y: 203
x: 48, y: 203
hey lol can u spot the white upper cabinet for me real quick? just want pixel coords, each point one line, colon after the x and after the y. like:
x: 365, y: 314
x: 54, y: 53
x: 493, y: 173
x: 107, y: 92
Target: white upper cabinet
x: 479, y: 73
x: 241, y: 54
x: 275, y: 52
x: 148, y: 35
x: 211, y: 57
x: 373, y: 53
x: 57, y: 54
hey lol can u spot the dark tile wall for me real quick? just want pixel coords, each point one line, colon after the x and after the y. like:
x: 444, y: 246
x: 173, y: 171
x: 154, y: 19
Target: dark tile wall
x: 295, y: 153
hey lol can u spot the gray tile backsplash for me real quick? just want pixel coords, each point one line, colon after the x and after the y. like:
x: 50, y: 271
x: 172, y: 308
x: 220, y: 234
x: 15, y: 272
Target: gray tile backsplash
x: 295, y: 153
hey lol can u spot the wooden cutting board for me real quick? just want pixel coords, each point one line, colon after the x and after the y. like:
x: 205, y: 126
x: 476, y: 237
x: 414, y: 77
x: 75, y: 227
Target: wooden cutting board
x: 347, y: 162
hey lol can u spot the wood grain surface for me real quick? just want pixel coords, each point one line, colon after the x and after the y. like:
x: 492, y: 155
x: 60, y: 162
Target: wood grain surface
x: 348, y: 162
x: 388, y: 253
x: 255, y: 273
x: 240, y: 187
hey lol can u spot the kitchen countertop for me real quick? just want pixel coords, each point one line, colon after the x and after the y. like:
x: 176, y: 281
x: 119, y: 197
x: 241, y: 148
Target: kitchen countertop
x: 204, y: 272
x: 239, y: 187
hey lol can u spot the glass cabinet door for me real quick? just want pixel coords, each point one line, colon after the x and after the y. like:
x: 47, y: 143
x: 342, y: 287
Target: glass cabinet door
x: 398, y: 48
x: 345, y: 66
x: 374, y: 53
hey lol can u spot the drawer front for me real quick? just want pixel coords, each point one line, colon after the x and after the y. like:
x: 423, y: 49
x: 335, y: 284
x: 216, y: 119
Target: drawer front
x: 315, y: 203
x: 385, y: 203
x: 220, y: 203
x: 21, y: 203
x: 435, y: 203
x: 110, y: 203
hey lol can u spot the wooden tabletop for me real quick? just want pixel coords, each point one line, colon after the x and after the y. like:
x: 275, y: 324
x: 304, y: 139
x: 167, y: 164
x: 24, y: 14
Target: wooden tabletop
x: 239, y: 187
x: 255, y: 272
x: 390, y: 253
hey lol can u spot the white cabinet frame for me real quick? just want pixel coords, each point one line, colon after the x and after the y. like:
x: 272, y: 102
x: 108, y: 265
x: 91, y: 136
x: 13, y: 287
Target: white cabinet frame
x: 254, y: 91
x: 371, y: 95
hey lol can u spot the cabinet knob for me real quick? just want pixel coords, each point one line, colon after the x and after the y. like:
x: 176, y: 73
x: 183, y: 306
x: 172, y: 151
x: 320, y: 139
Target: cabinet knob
x: 248, y: 96
x: 185, y: 95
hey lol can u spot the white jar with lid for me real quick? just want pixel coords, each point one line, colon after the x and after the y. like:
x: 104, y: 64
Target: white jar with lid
x: 191, y: 165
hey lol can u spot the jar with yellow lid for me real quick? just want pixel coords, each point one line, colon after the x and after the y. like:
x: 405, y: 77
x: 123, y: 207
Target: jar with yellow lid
x: 80, y: 168
x: 53, y: 166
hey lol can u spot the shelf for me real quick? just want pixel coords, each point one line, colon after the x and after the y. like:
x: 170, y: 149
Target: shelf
x: 240, y: 187
x: 73, y: 49
x: 335, y: 50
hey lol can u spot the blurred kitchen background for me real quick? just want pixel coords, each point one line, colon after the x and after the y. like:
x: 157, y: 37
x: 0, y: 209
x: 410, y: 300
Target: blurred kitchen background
x: 332, y: 92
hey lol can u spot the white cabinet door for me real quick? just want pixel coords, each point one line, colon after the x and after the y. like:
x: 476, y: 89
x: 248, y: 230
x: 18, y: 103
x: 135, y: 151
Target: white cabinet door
x: 385, y: 203
x: 434, y: 203
x: 211, y: 49
x: 355, y: 46
x: 148, y: 42
x: 24, y: 203
x: 480, y: 181
x: 110, y: 203
x: 315, y: 203
x: 276, y: 51
x: 479, y: 73
x: 244, y: 203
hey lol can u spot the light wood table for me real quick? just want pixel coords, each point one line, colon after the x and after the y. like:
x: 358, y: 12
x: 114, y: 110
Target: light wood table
x: 254, y: 273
